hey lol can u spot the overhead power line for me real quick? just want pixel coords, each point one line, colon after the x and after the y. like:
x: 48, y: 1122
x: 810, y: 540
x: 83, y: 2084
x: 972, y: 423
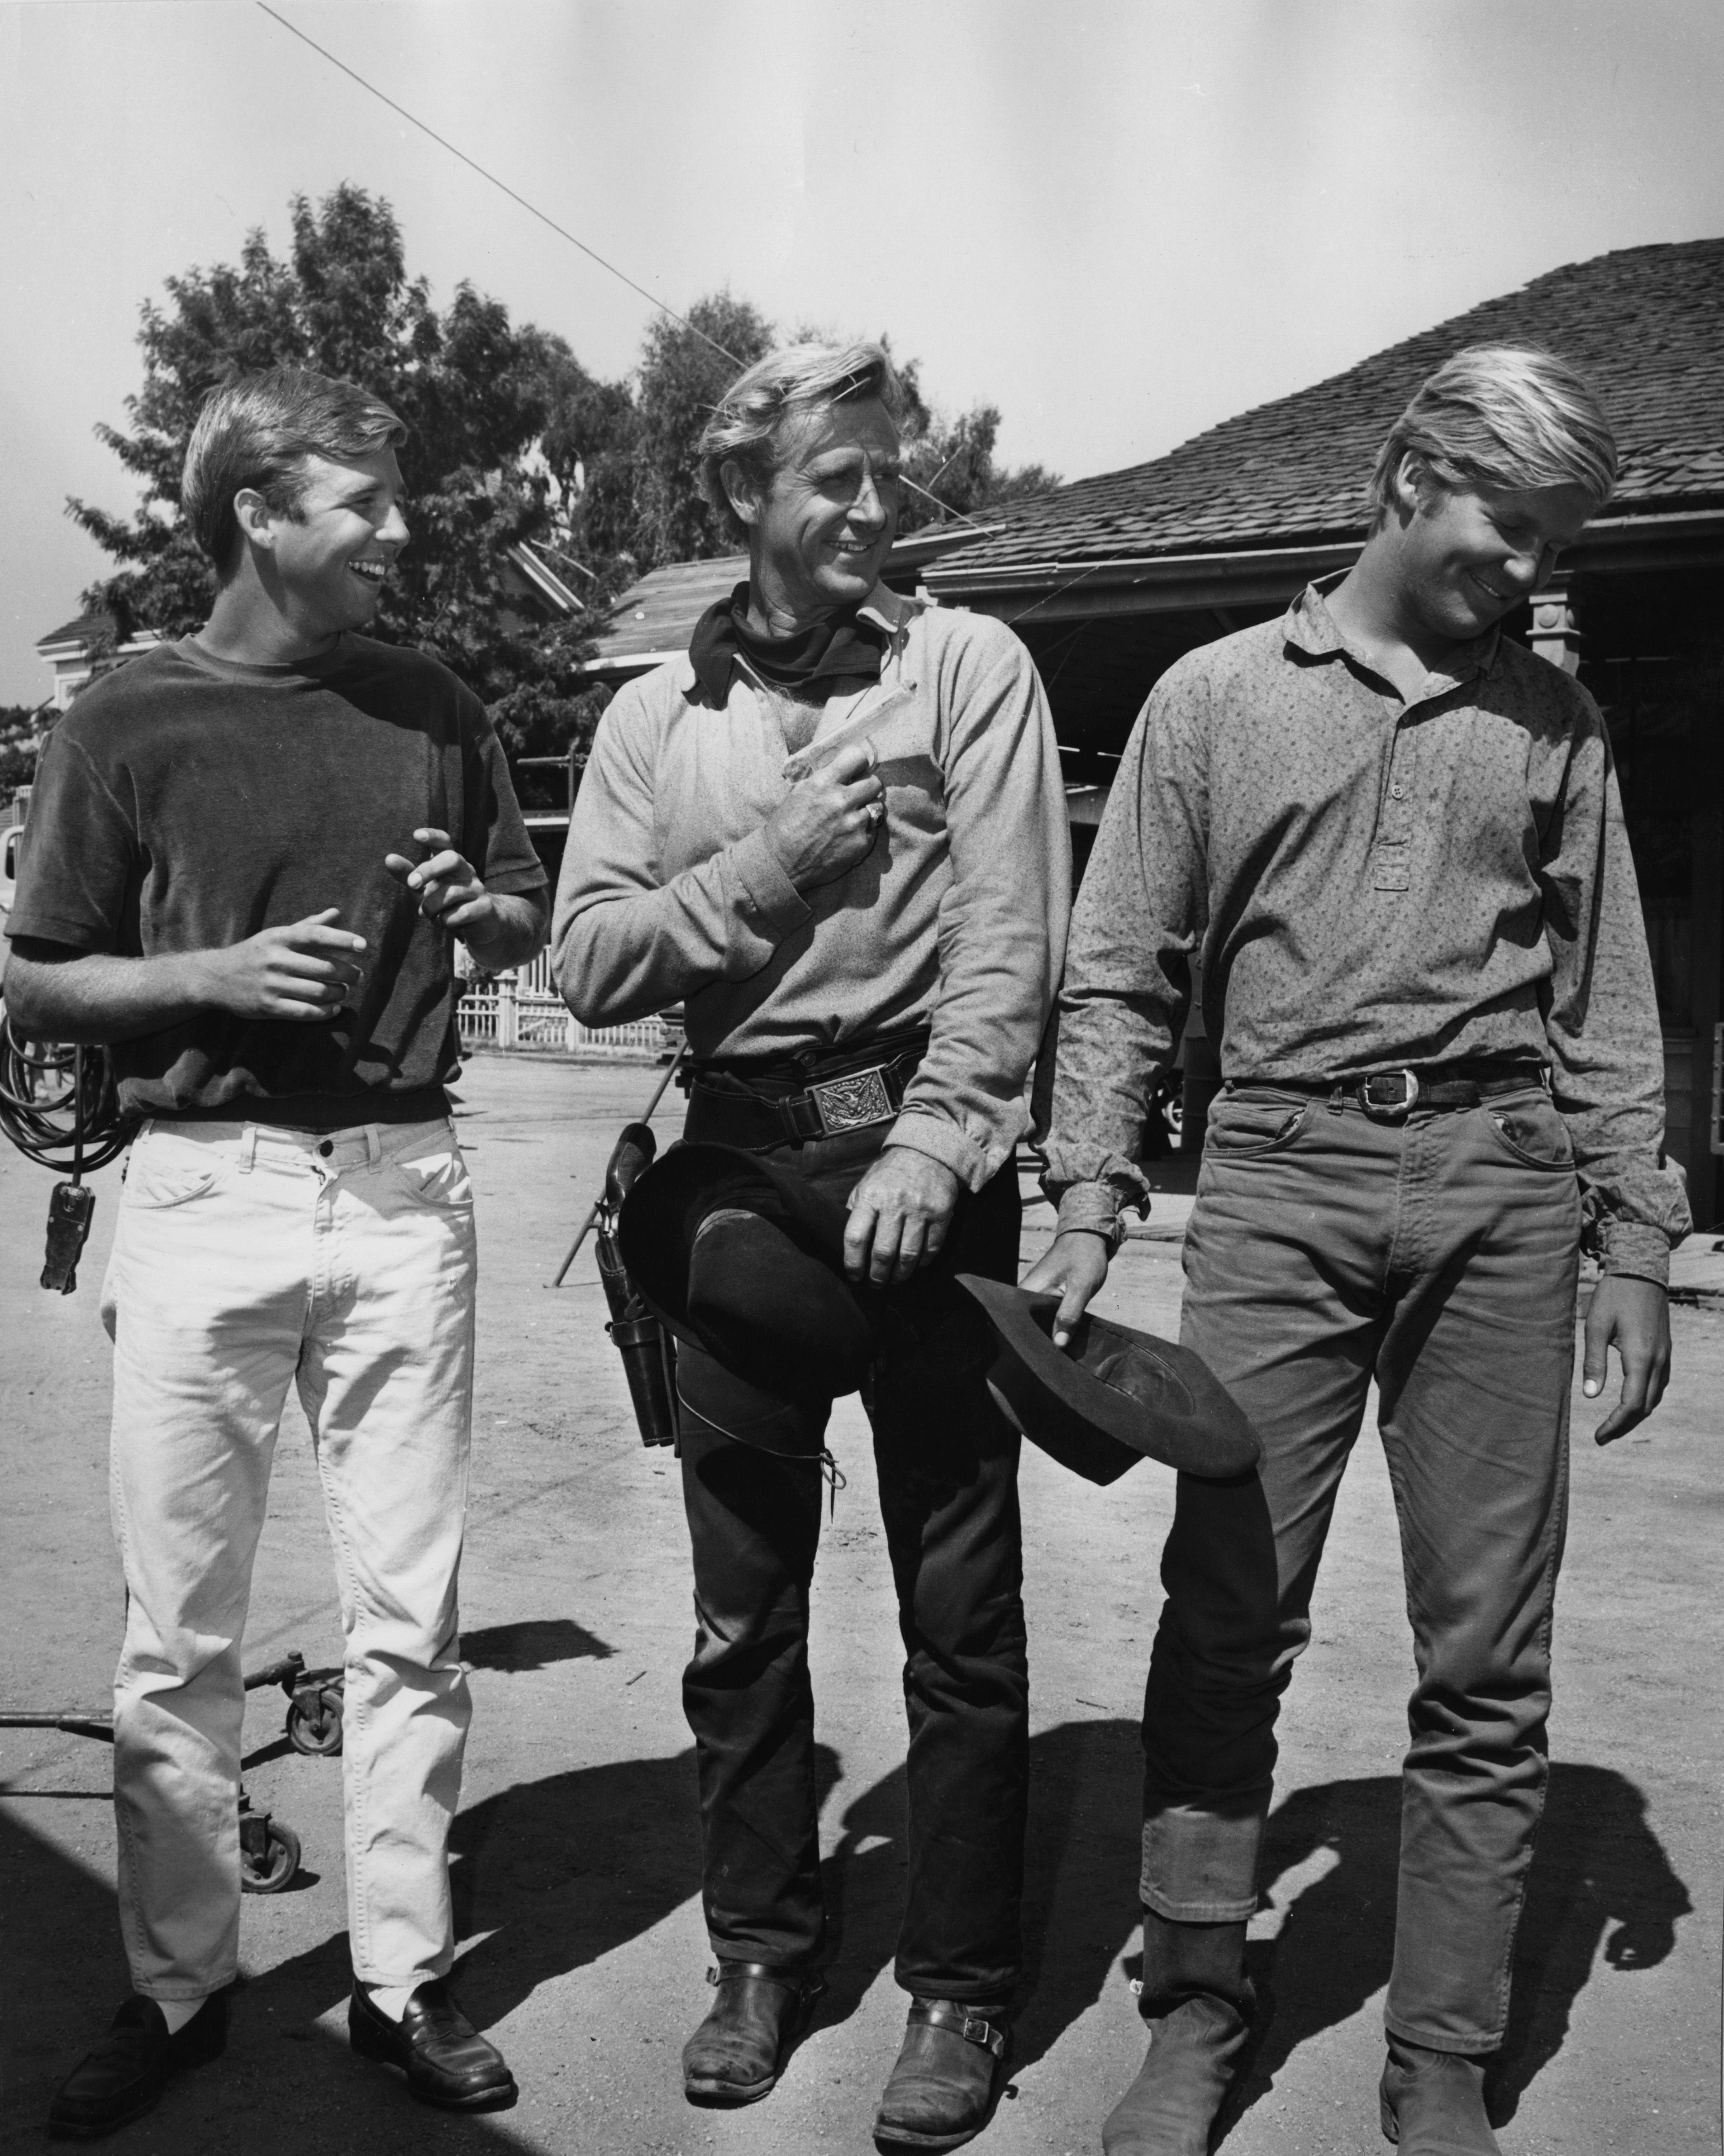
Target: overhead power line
x: 473, y: 165
x: 562, y: 231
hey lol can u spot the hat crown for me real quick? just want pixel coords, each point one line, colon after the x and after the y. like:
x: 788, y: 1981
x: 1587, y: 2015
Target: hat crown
x: 1140, y: 1375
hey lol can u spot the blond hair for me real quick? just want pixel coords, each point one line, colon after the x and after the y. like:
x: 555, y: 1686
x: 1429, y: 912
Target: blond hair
x: 1501, y: 415
x: 747, y: 422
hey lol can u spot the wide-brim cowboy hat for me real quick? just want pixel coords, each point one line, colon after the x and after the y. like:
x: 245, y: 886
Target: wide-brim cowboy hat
x: 745, y: 1261
x: 1111, y: 1395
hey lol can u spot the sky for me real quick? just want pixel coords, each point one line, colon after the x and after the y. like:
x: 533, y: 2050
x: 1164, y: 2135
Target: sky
x: 1121, y: 221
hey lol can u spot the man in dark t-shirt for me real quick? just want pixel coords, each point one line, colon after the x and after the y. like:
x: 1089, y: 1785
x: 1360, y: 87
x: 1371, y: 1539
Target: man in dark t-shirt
x: 249, y: 854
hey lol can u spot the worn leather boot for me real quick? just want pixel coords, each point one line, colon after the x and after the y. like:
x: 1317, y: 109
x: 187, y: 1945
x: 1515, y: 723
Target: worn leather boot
x: 1434, y: 2101
x: 739, y: 2051
x: 1199, y: 2003
x: 941, y: 2091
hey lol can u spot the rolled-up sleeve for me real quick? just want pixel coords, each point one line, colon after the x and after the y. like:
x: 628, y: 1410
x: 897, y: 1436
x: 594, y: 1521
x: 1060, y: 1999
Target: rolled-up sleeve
x: 1127, y: 988
x: 1607, y: 1075
x: 1003, y: 917
x: 625, y: 944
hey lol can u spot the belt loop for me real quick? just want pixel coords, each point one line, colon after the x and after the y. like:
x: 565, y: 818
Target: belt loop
x: 373, y: 1145
x: 248, y: 1147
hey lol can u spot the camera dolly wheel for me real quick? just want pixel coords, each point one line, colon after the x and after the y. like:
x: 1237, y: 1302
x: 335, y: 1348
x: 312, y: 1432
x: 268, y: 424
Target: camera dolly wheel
x: 314, y: 1703
x: 269, y: 1851
x: 313, y: 1719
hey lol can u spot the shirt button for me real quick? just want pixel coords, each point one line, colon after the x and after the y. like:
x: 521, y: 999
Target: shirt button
x: 1398, y: 792
x: 327, y: 1147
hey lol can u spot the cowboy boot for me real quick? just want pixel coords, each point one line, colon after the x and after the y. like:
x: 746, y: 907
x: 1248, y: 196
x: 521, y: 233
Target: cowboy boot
x: 757, y: 2013
x: 1434, y: 2101
x: 1198, y: 2002
x: 947, y: 2079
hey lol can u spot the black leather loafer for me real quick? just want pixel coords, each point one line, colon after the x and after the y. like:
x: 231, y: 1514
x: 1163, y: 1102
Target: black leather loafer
x: 738, y: 2052
x: 948, y: 2077
x: 123, y: 2077
x: 446, y: 2061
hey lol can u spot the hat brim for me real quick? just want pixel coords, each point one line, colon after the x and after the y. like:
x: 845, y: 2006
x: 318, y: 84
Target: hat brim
x: 778, y: 1309
x: 1190, y: 1423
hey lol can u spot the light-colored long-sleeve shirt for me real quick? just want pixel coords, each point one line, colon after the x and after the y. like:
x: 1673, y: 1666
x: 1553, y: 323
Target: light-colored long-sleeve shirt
x: 956, y: 918
x: 1371, y: 885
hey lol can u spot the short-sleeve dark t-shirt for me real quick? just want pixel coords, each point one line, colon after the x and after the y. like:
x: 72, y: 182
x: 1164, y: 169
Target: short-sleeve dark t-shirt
x: 183, y: 804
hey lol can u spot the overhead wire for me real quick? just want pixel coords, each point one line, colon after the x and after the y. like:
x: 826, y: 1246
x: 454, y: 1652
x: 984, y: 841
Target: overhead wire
x: 473, y: 165
x: 562, y: 232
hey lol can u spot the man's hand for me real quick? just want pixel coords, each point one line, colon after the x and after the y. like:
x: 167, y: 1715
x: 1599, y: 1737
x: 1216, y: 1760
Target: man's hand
x: 900, y: 1212
x: 1635, y: 1316
x: 447, y: 888
x: 827, y: 822
x: 302, y: 972
x: 1073, y: 1268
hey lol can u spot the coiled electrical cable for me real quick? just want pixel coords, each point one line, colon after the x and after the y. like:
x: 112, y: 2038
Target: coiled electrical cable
x: 60, y: 1105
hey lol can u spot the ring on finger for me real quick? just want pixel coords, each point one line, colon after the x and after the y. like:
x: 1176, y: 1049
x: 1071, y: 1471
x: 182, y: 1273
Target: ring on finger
x: 874, y: 810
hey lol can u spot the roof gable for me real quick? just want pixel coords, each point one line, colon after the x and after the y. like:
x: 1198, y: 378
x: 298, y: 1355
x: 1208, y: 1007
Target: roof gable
x: 1646, y: 326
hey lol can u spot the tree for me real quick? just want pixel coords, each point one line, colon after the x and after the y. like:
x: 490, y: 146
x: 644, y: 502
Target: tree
x: 511, y: 441
x: 21, y: 730
x: 952, y: 462
x: 477, y: 394
x: 681, y: 378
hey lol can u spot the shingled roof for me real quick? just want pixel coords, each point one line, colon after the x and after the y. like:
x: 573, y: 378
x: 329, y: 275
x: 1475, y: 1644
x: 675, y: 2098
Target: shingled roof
x: 82, y: 630
x: 1646, y: 326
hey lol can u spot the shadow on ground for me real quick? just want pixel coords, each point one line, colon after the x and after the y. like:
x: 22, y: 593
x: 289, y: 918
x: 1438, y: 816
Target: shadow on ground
x: 535, y: 1644
x: 1081, y: 1881
x: 553, y: 1875
x: 1599, y: 1876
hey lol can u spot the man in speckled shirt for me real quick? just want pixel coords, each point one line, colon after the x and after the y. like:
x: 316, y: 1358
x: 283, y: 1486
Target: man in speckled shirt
x: 1395, y: 838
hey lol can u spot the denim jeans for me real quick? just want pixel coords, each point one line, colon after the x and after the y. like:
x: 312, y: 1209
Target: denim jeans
x: 247, y: 1259
x: 1438, y: 1255
x: 947, y: 1464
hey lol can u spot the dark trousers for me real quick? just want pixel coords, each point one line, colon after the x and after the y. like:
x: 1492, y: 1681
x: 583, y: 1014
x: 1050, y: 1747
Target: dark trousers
x: 1437, y: 1256
x: 947, y: 1464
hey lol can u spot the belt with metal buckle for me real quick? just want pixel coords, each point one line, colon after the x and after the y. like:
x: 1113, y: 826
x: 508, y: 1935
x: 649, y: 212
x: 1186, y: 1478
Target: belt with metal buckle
x: 852, y: 1100
x: 1390, y: 1097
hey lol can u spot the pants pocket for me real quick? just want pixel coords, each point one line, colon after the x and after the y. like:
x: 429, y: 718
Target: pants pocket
x: 1243, y: 1125
x: 438, y: 1180
x: 1529, y: 1129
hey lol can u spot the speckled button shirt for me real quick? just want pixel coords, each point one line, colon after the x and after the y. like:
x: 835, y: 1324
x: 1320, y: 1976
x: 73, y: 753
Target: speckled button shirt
x: 1371, y: 885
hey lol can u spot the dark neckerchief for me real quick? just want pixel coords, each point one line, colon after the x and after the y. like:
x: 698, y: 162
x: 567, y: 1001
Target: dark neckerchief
x: 839, y: 645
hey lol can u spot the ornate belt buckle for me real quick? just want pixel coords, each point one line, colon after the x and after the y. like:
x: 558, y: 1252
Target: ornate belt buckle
x: 853, y: 1103
x: 1386, y: 1111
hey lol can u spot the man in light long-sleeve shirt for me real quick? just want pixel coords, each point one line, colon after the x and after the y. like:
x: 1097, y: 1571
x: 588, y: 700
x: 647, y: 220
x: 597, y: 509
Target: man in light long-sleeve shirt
x: 837, y: 834
x: 1396, y: 840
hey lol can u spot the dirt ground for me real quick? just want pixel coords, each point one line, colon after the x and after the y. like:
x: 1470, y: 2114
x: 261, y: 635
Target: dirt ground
x: 576, y: 1872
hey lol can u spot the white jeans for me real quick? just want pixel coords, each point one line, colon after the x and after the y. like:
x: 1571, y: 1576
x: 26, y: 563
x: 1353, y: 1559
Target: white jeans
x: 246, y: 1258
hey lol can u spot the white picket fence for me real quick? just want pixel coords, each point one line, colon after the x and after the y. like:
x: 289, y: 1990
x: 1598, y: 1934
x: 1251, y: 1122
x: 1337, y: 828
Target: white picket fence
x: 521, y: 1010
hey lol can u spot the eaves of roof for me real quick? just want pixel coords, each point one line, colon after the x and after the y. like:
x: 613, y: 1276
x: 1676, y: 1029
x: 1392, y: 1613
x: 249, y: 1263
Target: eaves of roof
x: 73, y: 635
x: 532, y: 567
x: 1054, y: 590
x: 1644, y: 324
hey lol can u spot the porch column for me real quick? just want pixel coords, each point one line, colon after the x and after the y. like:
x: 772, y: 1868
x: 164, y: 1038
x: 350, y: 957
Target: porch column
x: 1556, y: 631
